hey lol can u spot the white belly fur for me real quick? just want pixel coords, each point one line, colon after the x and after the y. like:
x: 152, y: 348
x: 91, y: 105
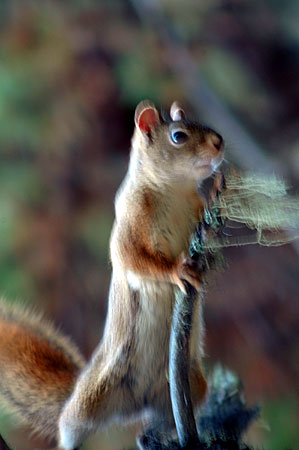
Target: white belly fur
x: 153, y: 329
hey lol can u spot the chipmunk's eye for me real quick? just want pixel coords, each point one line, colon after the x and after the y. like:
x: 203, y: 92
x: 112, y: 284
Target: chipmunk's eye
x: 178, y: 136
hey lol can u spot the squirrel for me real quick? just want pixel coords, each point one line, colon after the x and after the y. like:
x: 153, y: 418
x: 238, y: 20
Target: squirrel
x: 157, y: 208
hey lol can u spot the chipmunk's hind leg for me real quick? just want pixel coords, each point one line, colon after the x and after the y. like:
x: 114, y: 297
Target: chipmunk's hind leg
x: 198, y: 384
x: 72, y: 430
x: 95, y: 403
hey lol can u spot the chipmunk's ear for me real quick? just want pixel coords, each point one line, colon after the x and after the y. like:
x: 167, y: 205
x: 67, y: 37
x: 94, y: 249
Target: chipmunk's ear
x: 176, y: 112
x: 146, y: 117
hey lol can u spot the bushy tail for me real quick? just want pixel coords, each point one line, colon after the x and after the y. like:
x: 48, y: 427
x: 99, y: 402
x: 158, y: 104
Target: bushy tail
x: 38, y: 368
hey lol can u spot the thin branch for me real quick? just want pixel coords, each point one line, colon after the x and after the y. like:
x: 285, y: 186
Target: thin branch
x: 179, y: 367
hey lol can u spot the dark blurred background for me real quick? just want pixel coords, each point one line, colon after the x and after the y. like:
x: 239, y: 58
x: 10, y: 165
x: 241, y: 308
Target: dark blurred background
x: 71, y: 74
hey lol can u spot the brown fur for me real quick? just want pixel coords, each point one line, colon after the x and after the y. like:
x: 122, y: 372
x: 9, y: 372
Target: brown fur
x: 38, y: 368
x: 157, y: 208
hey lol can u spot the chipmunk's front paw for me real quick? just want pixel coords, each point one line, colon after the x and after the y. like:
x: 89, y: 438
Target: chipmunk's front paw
x: 189, y: 270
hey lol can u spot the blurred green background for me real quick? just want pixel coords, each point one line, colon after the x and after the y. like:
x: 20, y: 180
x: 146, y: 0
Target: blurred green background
x: 71, y: 74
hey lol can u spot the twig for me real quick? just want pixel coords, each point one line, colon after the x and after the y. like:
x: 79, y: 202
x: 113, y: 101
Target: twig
x: 179, y: 368
x: 179, y: 360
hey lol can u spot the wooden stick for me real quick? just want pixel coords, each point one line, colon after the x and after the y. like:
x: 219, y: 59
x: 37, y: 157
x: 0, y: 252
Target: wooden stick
x: 179, y: 367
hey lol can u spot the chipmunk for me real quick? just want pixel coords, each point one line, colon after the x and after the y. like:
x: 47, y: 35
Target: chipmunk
x: 157, y: 208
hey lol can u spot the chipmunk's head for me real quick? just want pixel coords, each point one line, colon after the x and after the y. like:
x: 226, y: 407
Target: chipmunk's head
x: 174, y: 147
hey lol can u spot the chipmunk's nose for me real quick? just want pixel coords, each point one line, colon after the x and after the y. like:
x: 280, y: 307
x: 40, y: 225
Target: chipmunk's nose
x: 216, y: 140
